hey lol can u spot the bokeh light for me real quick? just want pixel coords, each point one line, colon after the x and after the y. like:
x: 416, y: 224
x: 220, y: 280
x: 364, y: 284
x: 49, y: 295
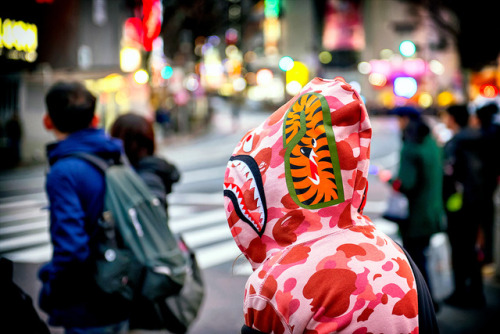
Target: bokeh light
x: 364, y: 67
x: 325, y: 57
x: 141, y: 77
x: 264, y: 76
x: 299, y: 73
x: 405, y: 86
x: 377, y: 79
x: 407, y: 48
x: 386, y: 53
x: 425, y: 100
x: 191, y: 83
x: 293, y: 87
x: 167, y: 72
x: 130, y: 59
x: 231, y: 50
x: 239, y: 84
x: 286, y: 63
x: 250, y: 56
x: 214, y: 40
x: 445, y: 99
x: 488, y: 90
x: 436, y: 67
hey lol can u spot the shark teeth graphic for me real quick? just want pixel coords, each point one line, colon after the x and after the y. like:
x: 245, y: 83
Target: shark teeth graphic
x: 244, y: 168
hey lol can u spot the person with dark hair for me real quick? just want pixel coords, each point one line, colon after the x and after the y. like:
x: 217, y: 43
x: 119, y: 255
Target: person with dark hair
x: 490, y: 137
x: 420, y: 179
x: 462, y: 173
x: 138, y: 138
x: 75, y: 190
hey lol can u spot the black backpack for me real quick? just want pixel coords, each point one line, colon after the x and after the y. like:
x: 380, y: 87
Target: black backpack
x: 16, y: 306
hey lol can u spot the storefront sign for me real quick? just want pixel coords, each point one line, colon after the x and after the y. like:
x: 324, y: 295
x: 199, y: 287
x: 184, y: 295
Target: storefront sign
x: 18, y: 40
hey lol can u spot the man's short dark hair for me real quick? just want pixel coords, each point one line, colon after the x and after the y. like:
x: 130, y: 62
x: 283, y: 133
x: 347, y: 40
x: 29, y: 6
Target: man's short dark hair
x: 70, y: 106
x: 460, y: 113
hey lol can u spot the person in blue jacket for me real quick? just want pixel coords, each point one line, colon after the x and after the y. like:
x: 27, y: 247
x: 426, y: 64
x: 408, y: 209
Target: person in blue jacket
x: 75, y: 191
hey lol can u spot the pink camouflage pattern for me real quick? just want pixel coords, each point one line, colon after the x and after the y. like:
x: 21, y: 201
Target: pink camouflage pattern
x: 320, y: 265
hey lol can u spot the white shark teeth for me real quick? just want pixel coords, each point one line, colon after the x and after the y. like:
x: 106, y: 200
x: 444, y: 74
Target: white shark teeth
x: 245, y: 171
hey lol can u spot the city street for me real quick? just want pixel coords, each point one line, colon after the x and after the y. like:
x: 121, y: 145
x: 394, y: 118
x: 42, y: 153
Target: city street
x: 196, y: 211
x: 205, y: 73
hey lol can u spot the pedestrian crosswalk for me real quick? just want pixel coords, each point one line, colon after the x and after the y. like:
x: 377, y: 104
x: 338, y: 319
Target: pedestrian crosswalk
x: 196, y: 215
x: 24, y: 228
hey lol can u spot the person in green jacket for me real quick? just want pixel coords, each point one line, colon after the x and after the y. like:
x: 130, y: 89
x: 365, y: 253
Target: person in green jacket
x: 420, y: 178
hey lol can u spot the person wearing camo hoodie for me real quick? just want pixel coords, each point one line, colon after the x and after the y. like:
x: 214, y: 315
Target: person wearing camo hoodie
x: 295, y: 188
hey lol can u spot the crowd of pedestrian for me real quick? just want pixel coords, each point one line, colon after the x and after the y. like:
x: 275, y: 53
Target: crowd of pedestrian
x: 451, y: 190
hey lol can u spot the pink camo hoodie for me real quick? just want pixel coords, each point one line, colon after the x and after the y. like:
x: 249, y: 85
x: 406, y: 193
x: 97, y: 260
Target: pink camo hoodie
x: 294, y: 194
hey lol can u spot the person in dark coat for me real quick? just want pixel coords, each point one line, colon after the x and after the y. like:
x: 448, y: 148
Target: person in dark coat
x: 75, y: 190
x: 462, y: 184
x: 138, y: 138
x: 420, y: 179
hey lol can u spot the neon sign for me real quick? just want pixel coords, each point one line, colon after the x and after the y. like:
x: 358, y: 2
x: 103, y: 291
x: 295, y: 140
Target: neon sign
x: 19, y: 38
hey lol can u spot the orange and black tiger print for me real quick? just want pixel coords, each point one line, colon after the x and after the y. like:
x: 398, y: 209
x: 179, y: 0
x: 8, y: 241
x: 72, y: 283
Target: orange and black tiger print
x: 311, y: 162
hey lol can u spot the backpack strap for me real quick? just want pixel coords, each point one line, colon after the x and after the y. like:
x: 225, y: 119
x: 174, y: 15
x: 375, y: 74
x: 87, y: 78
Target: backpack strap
x: 98, y: 162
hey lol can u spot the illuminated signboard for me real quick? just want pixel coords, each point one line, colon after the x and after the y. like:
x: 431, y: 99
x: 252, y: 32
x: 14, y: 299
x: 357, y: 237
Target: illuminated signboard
x: 18, y: 40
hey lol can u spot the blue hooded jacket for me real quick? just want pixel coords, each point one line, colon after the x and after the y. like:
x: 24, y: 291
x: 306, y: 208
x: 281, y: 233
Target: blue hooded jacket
x: 75, y: 190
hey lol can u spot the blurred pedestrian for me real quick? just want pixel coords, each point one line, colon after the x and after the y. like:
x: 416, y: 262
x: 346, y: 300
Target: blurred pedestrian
x: 462, y: 186
x: 75, y: 190
x: 14, y: 133
x: 237, y: 102
x: 420, y: 178
x: 138, y: 137
x: 295, y: 188
x: 164, y: 119
x: 490, y: 137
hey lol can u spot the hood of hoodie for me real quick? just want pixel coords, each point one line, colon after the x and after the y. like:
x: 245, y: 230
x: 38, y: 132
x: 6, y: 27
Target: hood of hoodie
x: 301, y: 174
x: 93, y: 141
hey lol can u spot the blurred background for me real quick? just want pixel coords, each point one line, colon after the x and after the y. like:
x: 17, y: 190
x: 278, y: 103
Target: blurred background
x: 167, y: 58
x: 207, y: 71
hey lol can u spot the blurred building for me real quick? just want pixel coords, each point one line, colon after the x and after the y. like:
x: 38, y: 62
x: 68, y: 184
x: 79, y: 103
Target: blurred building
x: 44, y: 41
x: 70, y: 40
x: 167, y: 58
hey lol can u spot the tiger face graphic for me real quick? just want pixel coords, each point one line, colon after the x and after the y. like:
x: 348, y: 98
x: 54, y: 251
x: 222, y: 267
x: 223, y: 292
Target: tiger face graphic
x: 311, y: 161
